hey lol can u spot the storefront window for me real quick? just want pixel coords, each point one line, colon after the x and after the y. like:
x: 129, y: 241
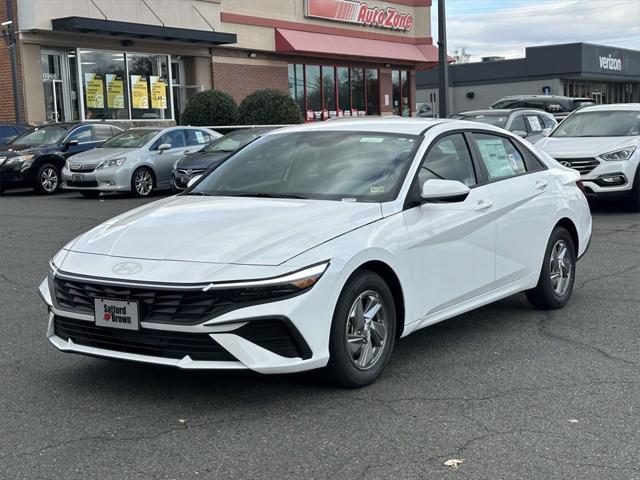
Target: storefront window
x: 296, y: 85
x: 404, y: 88
x: 148, y: 86
x: 314, y: 92
x: 373, y: 92
x: 357, y: 90
x: 395, y: 83
x: 401, y: 93
x: 329, y: 90
x: 103, y: 82
x: 344, y: 92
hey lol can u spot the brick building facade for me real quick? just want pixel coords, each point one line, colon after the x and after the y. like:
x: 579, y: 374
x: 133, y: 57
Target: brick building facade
x: 97, y: 60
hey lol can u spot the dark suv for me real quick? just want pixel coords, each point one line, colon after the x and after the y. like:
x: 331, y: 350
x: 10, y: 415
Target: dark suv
x: 559, y: 106
x: 36, y: 157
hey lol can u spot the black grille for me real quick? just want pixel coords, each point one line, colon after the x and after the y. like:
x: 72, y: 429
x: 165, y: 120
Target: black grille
x: 86, y: 183
x: 583, y: 165
x: 82, y: 168
x: 183, y: 307
x: 157, y: 343
x: 277, y: 336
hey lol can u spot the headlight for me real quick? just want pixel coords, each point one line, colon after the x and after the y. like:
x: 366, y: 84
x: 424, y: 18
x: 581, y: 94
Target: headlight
x: 287, y: 284
x: 18, y: 159
x: 622, y: 154
x: 116, y: 162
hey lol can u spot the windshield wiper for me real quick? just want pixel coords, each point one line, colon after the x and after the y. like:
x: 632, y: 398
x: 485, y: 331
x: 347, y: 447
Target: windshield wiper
x: 264, y: 195
x: 201, y: 194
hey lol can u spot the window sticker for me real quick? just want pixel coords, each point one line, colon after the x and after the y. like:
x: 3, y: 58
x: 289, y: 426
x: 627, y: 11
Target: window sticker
x: 371, y: 140
x: 199, y: 136
x: 377, y: 189
x: 534, y: 122
x: 496, y: 158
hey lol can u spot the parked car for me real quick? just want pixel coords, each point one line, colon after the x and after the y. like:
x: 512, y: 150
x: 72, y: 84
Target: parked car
x: 321, y: 246
x: 138, y: 160
x: 602, y: 142
x: 212, y: 155
x: 36, y: 157
x: 9, y: 131
x: 526, y: 123
x: 424, y: 110
x: 557, y: 105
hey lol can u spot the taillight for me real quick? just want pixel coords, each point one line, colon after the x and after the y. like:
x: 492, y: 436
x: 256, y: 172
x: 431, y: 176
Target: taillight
x: 580, y: 185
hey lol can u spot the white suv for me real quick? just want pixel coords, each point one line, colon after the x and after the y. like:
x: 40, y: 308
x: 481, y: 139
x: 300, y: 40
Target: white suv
x: 602, y: 142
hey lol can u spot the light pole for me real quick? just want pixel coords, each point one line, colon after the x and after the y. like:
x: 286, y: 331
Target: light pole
x: 9, y: 35
x: 443, y: 67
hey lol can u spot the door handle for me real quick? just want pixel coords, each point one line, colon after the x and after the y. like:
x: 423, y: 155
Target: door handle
x: 540, y: 184
x: 483, y: 205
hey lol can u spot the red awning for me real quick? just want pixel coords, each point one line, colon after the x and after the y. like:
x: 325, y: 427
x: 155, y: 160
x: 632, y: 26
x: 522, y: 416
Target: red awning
x: 295, y: 41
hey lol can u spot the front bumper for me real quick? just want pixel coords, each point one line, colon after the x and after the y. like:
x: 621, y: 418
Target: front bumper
x: 15, y: 175
x: 240, y: 339
x: 623, y: 173
x: 106, y: 180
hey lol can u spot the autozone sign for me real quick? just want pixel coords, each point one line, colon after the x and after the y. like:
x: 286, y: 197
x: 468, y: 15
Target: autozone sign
x: 351, y: 11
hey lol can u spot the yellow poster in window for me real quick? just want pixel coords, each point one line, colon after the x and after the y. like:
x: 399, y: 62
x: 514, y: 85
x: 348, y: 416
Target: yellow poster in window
x: 139, y: 92
x: 94, y: 89
x: 115, y: 91
x: 158, y: 93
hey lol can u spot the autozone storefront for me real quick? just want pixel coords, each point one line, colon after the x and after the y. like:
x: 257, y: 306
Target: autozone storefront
x: 335, y: 57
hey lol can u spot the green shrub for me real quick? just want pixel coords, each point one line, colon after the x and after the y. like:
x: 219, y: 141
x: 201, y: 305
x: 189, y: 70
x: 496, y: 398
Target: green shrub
x: 211, y: 107
x: 269, y: 107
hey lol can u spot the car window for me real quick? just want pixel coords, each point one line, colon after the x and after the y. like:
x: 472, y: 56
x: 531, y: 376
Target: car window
x: 533, y: 124
x: 548, y: 121
x: 448, y: 159
x: 198, y: 137
x: 175, y: 138
x: 517, y: 125
x: 7, y: 133
x: 82, y: 135
x: 102, y: 132
x: 499, y: 155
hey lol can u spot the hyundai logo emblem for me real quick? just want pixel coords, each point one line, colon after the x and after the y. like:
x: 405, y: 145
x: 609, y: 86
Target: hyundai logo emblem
x: 189, y: 171
x: 566, y: 164
x: 126, y: 268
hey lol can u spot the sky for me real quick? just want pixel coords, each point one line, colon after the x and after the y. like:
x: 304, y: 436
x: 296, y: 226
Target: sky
x: 506, y: 27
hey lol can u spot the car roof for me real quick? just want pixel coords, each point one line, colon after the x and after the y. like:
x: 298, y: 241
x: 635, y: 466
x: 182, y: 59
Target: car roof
x: 400, y: 125
x: 504, y: 111
x: 610, y: 107
x: 549, y: 97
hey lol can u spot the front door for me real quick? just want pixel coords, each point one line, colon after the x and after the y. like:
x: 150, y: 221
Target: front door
x: 57, y: 85
x: 452, y: 244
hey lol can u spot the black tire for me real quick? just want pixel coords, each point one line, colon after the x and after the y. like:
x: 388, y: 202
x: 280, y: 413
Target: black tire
x: 89, y: 193
x: 47, y: 180
x: 342, y: 368
x: 634, y: 200
x: 137, y: 189
x: 546, y: 295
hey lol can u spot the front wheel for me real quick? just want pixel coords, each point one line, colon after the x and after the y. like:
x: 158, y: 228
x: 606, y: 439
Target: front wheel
x: 47, y: 180
x: 558, y: 273
x: 142, y: 182
x: 362, y: 331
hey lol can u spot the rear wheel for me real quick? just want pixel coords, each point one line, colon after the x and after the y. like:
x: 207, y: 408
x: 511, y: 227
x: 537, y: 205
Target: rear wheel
x: 47, y: 180
x: 142, y: 182
x: 558, y: 273
x: 362, y: 331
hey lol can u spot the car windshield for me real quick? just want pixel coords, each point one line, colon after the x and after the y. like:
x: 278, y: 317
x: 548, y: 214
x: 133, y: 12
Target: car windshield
x: 232, y: 141
x: 502, y: 104
x: 330, y: 165
x: 491, y: 119
x: 49, y: 135
x: 620, y: 123
x: 134, y: 138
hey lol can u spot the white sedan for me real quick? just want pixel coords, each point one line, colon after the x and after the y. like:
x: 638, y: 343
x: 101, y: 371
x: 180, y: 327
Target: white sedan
x: 321, y: 246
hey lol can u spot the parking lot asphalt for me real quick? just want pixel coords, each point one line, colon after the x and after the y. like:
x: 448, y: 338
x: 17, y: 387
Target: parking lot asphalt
x: 515, y: 393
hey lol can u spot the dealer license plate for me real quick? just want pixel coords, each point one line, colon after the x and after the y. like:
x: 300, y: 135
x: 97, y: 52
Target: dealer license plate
x: 120, y: 314
x: 77, y: 177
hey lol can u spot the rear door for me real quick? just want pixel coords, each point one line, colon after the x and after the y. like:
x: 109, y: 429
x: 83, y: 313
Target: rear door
x: 524, y: 204
x: 451, y: 244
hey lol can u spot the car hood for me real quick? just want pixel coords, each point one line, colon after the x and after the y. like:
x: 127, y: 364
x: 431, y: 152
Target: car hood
x: 12, y: 150
x: 96, y: 155
x: 248, y: 231
x: 579, y: 147
x: 202, y: 160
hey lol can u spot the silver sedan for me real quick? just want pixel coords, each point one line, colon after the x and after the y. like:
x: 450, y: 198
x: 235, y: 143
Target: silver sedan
x: 138, y: 160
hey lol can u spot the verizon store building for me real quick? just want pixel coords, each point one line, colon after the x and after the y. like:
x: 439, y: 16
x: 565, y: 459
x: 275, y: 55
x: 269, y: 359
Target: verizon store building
x: 139, y: 62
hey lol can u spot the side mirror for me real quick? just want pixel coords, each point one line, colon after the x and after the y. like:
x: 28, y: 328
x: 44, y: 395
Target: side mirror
x: 163, y: 147
x: 70, y: 143
x: 546, y: 131
x: 521, y: 133
x: 193, y: 180
x: 444, y: 191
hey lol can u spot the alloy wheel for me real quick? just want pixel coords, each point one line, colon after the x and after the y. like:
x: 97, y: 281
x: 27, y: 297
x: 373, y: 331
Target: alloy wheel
x: 49, y: 179
x: 561, y: 268
x: 143, y: 183
x: 366, y: 330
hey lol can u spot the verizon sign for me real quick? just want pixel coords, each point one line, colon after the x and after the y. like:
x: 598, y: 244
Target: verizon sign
x: 611, y: 63
x: 351, y: 11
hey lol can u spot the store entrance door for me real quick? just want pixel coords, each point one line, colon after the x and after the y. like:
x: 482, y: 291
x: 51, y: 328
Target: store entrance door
x: 597, y: 97
x: 56, y: 82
